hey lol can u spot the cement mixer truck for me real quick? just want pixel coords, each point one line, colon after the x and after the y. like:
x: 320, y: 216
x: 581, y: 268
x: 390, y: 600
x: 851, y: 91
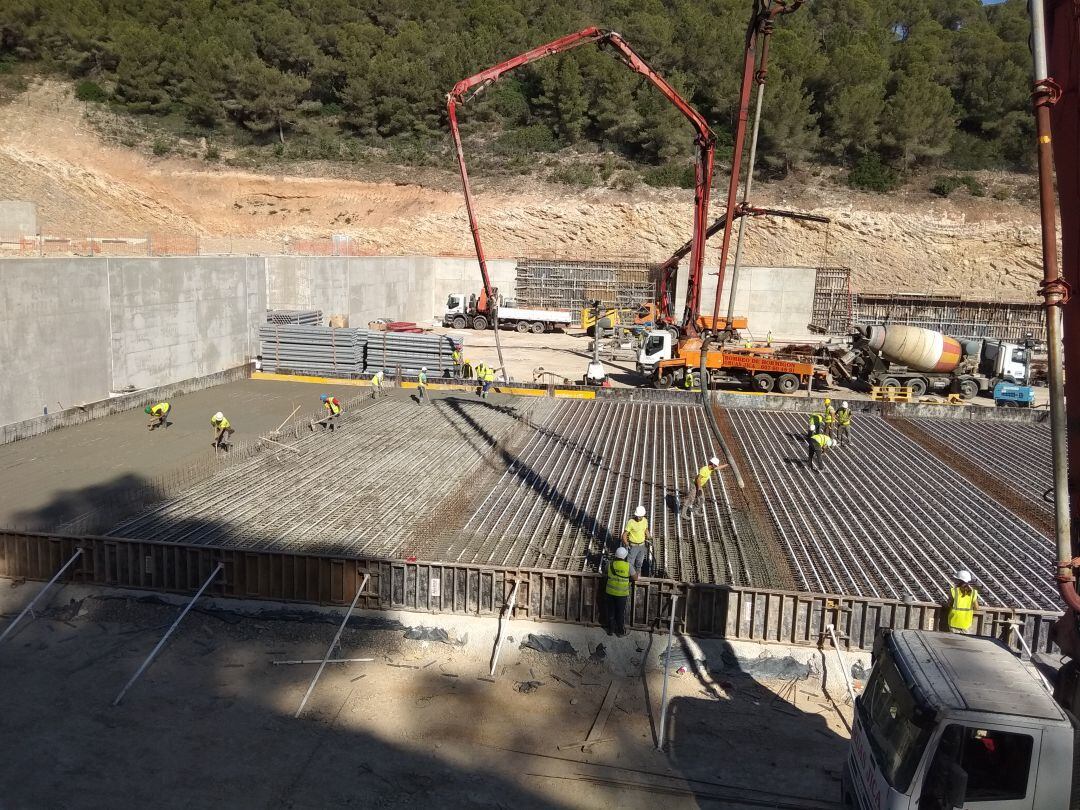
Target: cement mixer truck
x: 895, y: 356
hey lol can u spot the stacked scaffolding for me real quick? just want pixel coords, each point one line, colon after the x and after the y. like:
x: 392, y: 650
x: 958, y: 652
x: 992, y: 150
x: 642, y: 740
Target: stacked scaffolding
x: 572, y: 284
x: 837, y: 308
x: 343, y: 352
x: 295, y: 317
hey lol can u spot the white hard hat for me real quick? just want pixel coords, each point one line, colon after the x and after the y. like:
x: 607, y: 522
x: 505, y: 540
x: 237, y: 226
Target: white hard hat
x: 423, y: 368
x: 639, y: 512
x: 844, y: 404
x: 219, y: 415
x: 963, y: 575
x: 620, y: 553
x: 714, y: 461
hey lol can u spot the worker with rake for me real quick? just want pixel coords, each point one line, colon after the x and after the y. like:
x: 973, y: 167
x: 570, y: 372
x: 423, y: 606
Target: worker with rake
x: 333, y: 411
x: 697, y: 489
x: 224, y: 430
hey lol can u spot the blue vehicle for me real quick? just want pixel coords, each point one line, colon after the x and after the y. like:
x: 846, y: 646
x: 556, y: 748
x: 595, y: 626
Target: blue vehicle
x: 1010, y: 395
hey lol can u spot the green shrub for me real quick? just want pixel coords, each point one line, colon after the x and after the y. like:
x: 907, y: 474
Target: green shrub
x: 575, y: 174
x: 676, y: 173
x: 1001, y: 193
x: 871, y: 173
x: 160, y: 147
x: 530, y: 139
x: 212, y: 153
x: 945, y: 185
x: 90, y: 91
x: 974, y: 187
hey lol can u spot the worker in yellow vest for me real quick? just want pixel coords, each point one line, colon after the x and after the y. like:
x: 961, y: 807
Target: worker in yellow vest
x: 159, y: 414
x: 617, y: 591
x: 829, y: 417
x: 376, y: 384
x: 486, y: 381
x: 224, y: 430
x: 697, y: 489
x: 634, y: 535
x: 333, y: 410
x: 817, y: 424
x: 843, y: 424
x: 963, y: 602
x: 421, y: 386
x: 816, y: 446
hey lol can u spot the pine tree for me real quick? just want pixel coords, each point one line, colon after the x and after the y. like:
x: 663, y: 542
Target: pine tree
x: 919, y: 117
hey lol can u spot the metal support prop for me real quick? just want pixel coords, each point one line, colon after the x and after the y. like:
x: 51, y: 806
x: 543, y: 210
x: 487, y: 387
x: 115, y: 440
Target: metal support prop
x: 153, y: 653
x: 1015, y: 627
x: 503, y: 619
x: 661, y: 737
x: 333, y: 645
x: 831, y: 630
x: 49, y: 584
x: 1055, y: 292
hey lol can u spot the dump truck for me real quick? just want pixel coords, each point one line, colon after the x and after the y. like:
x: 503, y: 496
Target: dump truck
x: 895, y: 356
x: 464, y: 311
x: 949, y: 720
x: 760, y: 371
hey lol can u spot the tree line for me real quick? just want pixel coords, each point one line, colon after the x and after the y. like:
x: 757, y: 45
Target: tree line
x: 888, y: 83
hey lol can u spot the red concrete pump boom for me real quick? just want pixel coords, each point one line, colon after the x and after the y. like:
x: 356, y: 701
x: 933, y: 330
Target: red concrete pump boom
x: 704, y: 139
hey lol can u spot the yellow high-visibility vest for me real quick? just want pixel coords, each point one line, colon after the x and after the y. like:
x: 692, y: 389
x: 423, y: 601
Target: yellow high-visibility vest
x: 220, y: 424
x: 962, y: 608
x: 843, y: 416
x: 830, y: 413
x: 703, y: 476
x: 822, y: 440
x: 332, y: 406
x: 636, y: 530
x: 618, y: 578
x: 160, y: 409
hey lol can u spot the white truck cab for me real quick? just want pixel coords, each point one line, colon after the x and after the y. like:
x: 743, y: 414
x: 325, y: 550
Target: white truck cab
x: 954, y: 721
x: 657, y: 346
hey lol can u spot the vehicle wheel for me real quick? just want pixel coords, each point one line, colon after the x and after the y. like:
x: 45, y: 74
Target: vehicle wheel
x: 460, y: 322
x: 538, y: 328
x: 591, y: 331
x: 666, y: 380
x: 674, y: 332
x: 763, y: 382
x: 788, y: 384
x: 522, y: 327
x: 890, y: 382
x: 918, y: 386
x: 969, y: 389
x: 480, y: 322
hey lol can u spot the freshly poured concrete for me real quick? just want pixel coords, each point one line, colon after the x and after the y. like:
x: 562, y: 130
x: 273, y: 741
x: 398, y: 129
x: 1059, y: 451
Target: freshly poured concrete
x: 49, y: 479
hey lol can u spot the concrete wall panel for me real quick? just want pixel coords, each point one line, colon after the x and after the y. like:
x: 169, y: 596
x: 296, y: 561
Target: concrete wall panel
x: 18, y: 218
x: 54, y: 335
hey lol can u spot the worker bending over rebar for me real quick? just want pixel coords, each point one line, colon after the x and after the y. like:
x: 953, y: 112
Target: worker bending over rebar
x: 224, y: 430
x: 333, y: 411
x: 696, y: 493
x: 816, y: 446
x: 159, y: 415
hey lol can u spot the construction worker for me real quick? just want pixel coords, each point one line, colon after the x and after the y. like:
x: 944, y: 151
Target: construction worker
x: 479, y: 368
x: 421, y: 386
x: 618, y: 592
x: 634, y: 535
x: 333, y: 410
x: 688, y: 382
x: 843, y: 424
x: 224, y: 430
x: 829, y: 417
x: 768, y: 339
x: 816, y: 445
x: 457, y: 358
x: 486, y: 381
x: 962, y: 604
x: 817, y: 424
x: 160, y: 414
x: 376, y: 384
x: 697, y: 488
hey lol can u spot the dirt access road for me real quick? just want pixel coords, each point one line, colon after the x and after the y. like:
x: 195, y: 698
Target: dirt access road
x: 85, y: 184
x: 210, y: 723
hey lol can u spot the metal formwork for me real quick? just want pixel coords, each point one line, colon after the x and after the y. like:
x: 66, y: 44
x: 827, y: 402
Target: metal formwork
x: 1014, y: 453
x: 372, y: 486
x: 567, y: 494
x: 885, y: 519
x: 572, y: 284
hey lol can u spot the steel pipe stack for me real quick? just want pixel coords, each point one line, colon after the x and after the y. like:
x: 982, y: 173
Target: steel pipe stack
x: 320, y: 349
x: 296, y: 317
x: 393, y: 350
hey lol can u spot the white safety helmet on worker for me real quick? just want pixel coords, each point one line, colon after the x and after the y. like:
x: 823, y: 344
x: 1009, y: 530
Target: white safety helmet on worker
x: 963, y: 575
x: 218, y: 416
x: 844, y: 404
x: 639, y: 512
x: 714, y: 461
x: 620, y: 553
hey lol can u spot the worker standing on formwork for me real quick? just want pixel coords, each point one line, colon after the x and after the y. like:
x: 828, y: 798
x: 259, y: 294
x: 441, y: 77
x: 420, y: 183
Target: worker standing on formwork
x: 224, y: 430
x: 634, y: 535
x: 160, y: 414
x: 617, y: 590
x: 843, y: 424
x: 421, y: 386
x: 333, y: 410
x: 376, y: 384
x: 962, y: 604
x: 816, y: 445
x: 457, y: 360
x: 829, y: 418
x: 487, y: 379
x: 696, y: 492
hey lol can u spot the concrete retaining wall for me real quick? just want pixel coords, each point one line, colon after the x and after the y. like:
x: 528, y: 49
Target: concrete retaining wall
x: 776, y: 299
x: 18, y: 219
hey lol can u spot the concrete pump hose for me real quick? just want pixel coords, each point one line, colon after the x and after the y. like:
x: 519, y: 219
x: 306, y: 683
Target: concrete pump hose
x: 710, y: 418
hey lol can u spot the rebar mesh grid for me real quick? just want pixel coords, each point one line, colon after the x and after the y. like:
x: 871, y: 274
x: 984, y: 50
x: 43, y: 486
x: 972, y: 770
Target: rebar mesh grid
x: 572, y: 284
